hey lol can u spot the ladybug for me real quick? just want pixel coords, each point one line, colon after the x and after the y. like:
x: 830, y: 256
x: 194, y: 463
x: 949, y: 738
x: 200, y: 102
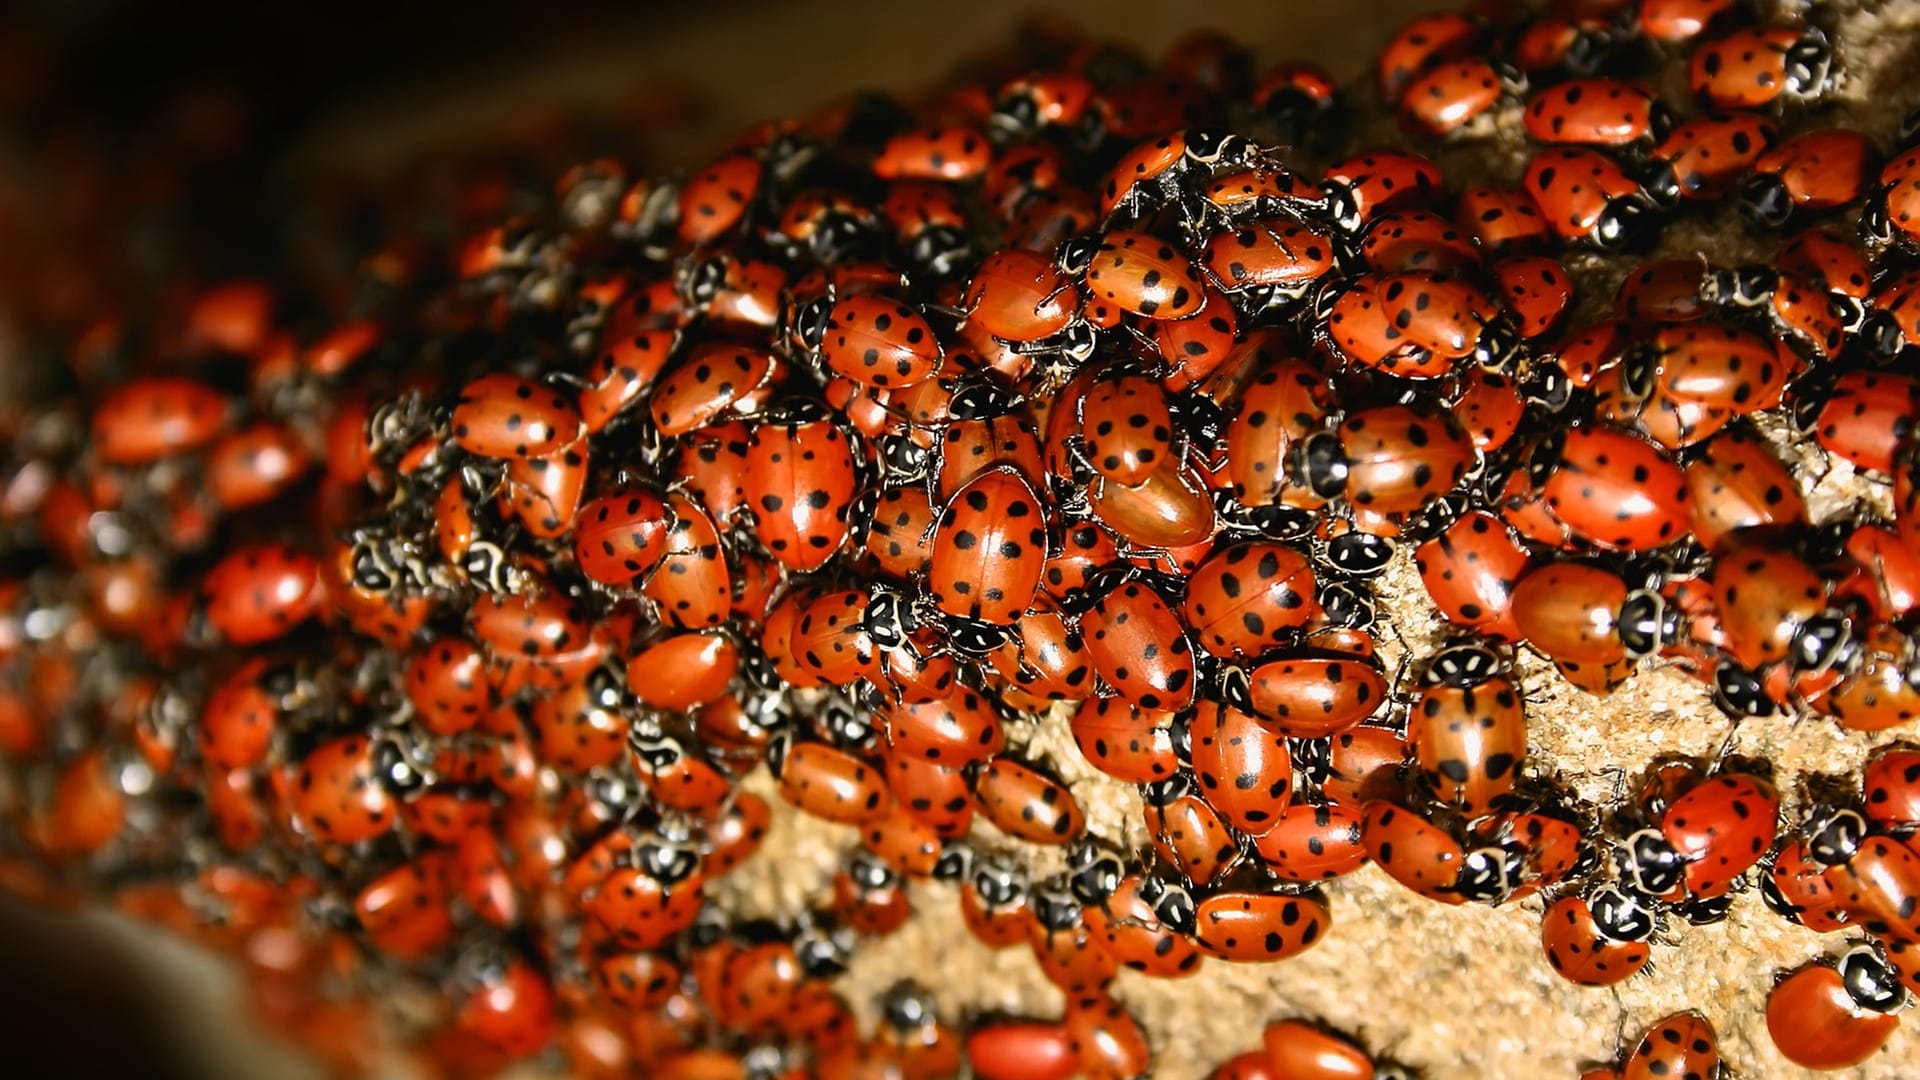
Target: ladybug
x: 1419, y: 45
x: 1308, y: 697
x: 1595, y: 112
x: 1877, y: 885
x: 1681, y: 1045
x: 1470, y: 570
x: 1864, y: 417
x: 1706, y: 157
x: 1753, y: 66
x: 1890, y: 788
x: 1022, y: 1050
x: 1814, y: 170
x: 346, y: 791
x: 621, y: 536
x: 1596, y: 941
x: 709, y: 381
x: 1124, y: 741
x: 1144, y: 924
x: 1252, y: 927
x: 1467, y: 728
x: 1450, y: 95
x: 989, y: 551
x: 801, y: 485
x: 1106, y: 1038
x: 1617, y: 491
x: 1187, y: 832
x: 1720, y: 828
x: 1503, y: 221
x: 1139, y: 646
x: 153, y: 417
x: 828, y: 782
x: 259, y: 592
x: 255, y: 465
x: 1359, y: 188
x: 953, y: 154
x: 1391, y: 459
x: 1249, y: 598
x: 1585, y: 195
x: 879, y: 342
x: 1738, y: 482
x: 1817, y: 1022
x: 1126, y: 427
x: 1269, y: 263
x: 1315, y: 839
x: 505, y: 416
x: 1023, y: 802
x: 716, y: 198
x: 1245, y: 772
x: 1144, y: 275
x: 1413, y: 851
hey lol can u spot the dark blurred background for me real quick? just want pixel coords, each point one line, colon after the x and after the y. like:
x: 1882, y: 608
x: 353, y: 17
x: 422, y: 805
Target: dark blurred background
x: 259, y: 99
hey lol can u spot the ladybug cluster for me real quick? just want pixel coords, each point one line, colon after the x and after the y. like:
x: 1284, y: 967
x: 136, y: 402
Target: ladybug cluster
x: 465, y: 625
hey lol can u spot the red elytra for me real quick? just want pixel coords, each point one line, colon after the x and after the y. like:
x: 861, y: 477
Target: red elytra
x: 1020, y: 296
x: 1124, y: 741
x: 544, y: 491
x: 1879, y: 887
x: 621, y: 536
x: 1796, y: 888
x: 1248, y: 927
x: 623, y: 373
x: 712, y: 469
x: 936, y: 795
x: 1249, y: 598
x: 716, y: 198
x: 1297, y: 1050
x: 1046, y: 657
x: 989, y: 549
x: 1504, y: 220
x: 404, y: 912
x: 1281, y: 256
x: 833, y: 784
x: 259, y: 592
x: 1140, y: 648
x: 956, y: 730
x: 338, y: 794
x: 1866, y: 416
x: 1617, y: 491
x: 1287, y: 401
x: 1763, y: 594
x: 1022, y: 1050
x: 937, y: 153
x: 1127, y: 427
x: 1127, y: 927
x: 880, y: 342
x: 156, y: 416
x: 683, y: 671
x: 1739, y: 482
x: 1536, y: 290
x: 1450, y: 95
x: 1814, y: 170
x: 1469, y: 741
x: 238, y: 721
x: 256, y: 465
x: 1890, y: 787
x: 1585, y: 195
x: 1412, y: 850
x: 1187, y: 832
x: 1314, y: 840
x: 1721, y: 827
x: 1470, y: 570
x: 1815, y: 1023
x: 1398, y: 457
x: 831, y: 638
x: 505, y: 416
x: 1570, y: 611
x: 1171, y: 508
x: 1580, y: 953
x: 801, y: 484
x: 1314, y: 696
x: 899, y: 535
x: 1682, y: 1045
x: 1420, y: 44
x: 1245, y: 772
x: 1596, y: 112
x: 1025, y: 803
x: 1750, y: 67
x: 1362, y: 186
x: 709, y: 380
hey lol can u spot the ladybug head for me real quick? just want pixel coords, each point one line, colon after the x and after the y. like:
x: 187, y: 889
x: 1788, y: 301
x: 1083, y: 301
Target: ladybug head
x: 1055, y: 907
x: 1464, y: 665
x: 1093, y: 872
x: 1822, y: 643
x: 1076, y: 253
x: 1809, y: 66
x: 869, y: 873
x: 1834, y: 836
x: 1489, y: 875
x: 1623, y: 222
x: 810, y: 321
x: 1765, y: 201
x: 1319, y: 463
x: 1347, y: 604
x: 1218, y: 146
x: 1172, y: 904
x: 1359, y: 554
x: 974, y: 639
x: 1016, y: 110
x: 1739, y: 692
x: 939, y: 250
x: 1706, y: 910
x: 955, y: 862
x: 1650, y: 863
x: 999, y: 880
x: 1870, y: 981
x: 1739, y: 286
x: 394, y: 770
x: 1646, y: 622
x: 908, y: 1007
x: 822, y: 954
x: 1619, y: 915
x: 666, y: 862
x: 1313, y: 759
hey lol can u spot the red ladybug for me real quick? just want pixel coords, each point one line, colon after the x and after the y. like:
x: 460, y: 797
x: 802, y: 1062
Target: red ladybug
x: 879, y: 342
x: 989, y: 550
x: 1245, y: 771
x: 1452, y: 94
x: 346, y: 791
x: 1139, y: 647
x: 1249, y: 598
x: 1585, y: 195
x: 1616, y: 491
x: 801, y: 485
x: 1682, y: 1045
x: 1817, y: 1023
x: 259, y: 592
x: 154, y: 417
x: 1596, y: 112
x: 1467, y: 728
x: 709, y: 381
x: 1815, y: 170
x: 505, y: 416
x: 1413, y: 851
x: 1298, y: 1049
x: 1751, y: 67
x: 1705, y: 158
x: 1252, y: 927
x: 937, y: 153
